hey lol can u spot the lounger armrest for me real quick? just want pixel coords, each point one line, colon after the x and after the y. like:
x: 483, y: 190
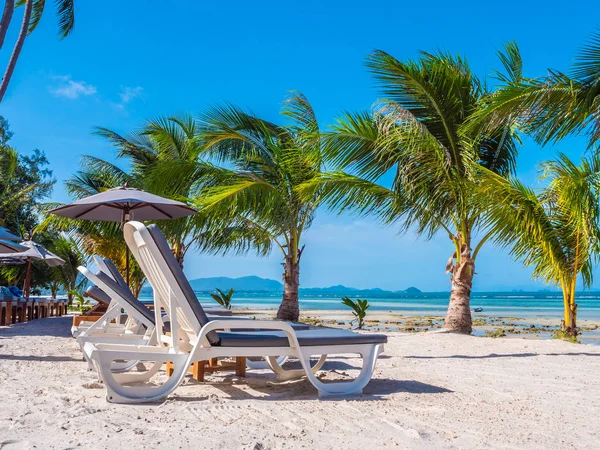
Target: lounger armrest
x: 243, y: 324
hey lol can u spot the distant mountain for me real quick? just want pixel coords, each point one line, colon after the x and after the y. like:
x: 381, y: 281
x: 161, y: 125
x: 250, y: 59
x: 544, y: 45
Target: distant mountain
x: 258, y: 284
x: 412, y: 290
x: 250, y: 283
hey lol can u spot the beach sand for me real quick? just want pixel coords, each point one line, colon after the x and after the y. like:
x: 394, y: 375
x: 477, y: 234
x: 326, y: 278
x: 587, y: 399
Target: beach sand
x: 430, y: 390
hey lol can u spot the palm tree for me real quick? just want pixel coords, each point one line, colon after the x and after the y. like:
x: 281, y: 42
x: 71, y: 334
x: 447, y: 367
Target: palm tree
x: 32, y: 15
x: 163, y: 159
x: 556, y: 230
x: 415, y: 137
x: 253, y: 198
x: 553, y: 107
x: 72, y: 253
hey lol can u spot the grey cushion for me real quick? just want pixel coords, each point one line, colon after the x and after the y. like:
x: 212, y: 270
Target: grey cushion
x: 98, y: 294
x: 267, y: 340
x: 114, y: 272
x: 127, y: 296
x: 182, y: 280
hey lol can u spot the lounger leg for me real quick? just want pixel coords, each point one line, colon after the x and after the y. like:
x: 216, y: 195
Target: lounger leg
x: 354, y: 387
x: 284, y: 375
x: 118, y: 393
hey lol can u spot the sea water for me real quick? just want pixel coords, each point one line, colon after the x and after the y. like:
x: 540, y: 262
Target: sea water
x: 500, y: 304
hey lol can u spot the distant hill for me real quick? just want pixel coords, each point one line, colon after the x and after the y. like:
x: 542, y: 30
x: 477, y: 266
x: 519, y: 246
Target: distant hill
x: 258, y: 284
x: 250, y: 283
x: 413, y: 290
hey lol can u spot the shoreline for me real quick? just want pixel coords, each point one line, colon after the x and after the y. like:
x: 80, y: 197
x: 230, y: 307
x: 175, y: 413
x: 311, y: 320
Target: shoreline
x: 484, y: 325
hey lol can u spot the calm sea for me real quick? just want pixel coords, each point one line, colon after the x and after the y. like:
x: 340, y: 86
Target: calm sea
x: 504, y: 304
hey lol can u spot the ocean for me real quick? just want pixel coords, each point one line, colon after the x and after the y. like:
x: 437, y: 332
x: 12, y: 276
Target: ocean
x: 499, y: 304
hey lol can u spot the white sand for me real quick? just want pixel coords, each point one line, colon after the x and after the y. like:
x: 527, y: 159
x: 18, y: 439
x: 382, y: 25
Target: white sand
x: 429, y: 391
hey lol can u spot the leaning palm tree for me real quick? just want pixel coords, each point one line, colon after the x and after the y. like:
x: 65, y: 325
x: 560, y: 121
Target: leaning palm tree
x: 253, y: 198
x: 555, y: 230
x: 408, y: 162
x: 33, y: 11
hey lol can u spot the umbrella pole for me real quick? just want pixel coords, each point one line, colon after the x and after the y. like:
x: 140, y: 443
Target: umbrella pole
x: 27, y: 284
x: 127, y: 264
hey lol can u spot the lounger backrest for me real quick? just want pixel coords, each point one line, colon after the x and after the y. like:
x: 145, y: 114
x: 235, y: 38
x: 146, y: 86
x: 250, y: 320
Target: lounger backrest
x: 128, y: 297
x: 114, y: 272
x: 181, y: 279
x: 98, y: 294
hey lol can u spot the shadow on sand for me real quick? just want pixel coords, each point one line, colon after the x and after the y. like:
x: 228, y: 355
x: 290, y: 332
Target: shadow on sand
x: 503, y: 355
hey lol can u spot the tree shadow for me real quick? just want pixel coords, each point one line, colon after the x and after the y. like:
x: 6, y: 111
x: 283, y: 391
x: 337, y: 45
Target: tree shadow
x: 503, y: 355
x: 301, y: 389
x: 49, y: 326
x: 39, y: 358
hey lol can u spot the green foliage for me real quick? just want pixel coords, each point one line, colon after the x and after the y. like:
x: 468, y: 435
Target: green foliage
x: 24, y: 182
x: 552, y: 107
x: 556, y: 229
x: 65, y: 12
x: 222, y: 298
x: 251, y: 192
x: 80, y: 301
x: 359, y: 309
x: 565, y: 336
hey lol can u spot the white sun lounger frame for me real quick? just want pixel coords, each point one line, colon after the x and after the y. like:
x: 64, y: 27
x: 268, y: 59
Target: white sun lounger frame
x: 189, y: 340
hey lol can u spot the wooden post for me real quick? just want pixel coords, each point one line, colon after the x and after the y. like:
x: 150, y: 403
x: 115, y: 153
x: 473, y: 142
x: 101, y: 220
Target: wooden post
x: 240, y: 366
x: 8, y: 313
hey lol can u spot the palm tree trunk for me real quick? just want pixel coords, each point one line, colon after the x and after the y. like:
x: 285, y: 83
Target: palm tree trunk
x: 9, y: 7
x: 290, y: 308
x: 17, y: 50
x: 458, y: 316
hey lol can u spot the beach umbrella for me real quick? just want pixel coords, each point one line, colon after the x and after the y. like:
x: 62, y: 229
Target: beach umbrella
x: 123, y: 204
x: 34, y: 251
x: 11, y: 247
x: 6, y: 235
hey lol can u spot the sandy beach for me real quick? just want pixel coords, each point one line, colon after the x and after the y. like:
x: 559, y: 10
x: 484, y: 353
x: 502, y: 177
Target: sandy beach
x: 430, y: 390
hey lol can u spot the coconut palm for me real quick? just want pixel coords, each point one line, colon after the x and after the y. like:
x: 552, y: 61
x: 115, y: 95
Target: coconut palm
x: 74, y: 256
x: 253, y: 197
x: 553, y: 107
x: 408, y: 162
x: 554, y: 230
x: 34, y: 9
x: 163, y: 159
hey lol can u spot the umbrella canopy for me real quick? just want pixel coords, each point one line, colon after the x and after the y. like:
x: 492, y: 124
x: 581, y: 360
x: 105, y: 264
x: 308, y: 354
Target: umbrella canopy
x: 11, y: 261
x: 37, y: 252
x: 113, y: 205
x: 11, y: 247
x: 6, y: 235
x: 122, y: 204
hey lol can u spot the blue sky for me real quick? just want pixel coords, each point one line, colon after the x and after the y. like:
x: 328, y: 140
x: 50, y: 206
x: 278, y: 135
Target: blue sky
x: 128, y: 61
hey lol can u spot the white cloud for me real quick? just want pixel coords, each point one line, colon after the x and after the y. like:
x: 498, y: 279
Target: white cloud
x: 129, y: 93
x: 68, y: 88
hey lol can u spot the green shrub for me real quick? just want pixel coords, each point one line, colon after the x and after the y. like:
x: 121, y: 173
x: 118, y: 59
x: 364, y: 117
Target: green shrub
x: 359, y: 309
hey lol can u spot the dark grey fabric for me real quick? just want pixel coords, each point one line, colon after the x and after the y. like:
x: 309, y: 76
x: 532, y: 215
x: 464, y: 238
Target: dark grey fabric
x: 269, y: 340
x: 182, y: 280
x: 127, y: 296
x: 98, y: 294
x: 114, y: 273
x: 296, y: 326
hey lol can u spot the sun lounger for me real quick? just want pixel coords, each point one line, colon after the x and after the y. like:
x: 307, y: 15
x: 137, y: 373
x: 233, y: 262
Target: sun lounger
x: 140, y: 324
x: 194, y: 337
